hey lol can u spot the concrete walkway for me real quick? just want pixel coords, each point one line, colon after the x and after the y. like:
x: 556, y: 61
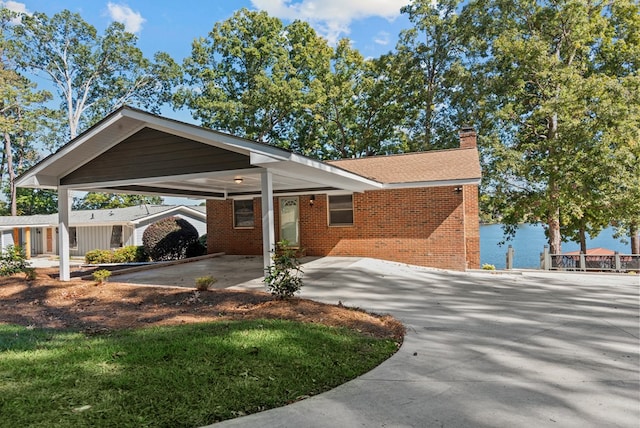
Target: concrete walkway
x: 528, y: 349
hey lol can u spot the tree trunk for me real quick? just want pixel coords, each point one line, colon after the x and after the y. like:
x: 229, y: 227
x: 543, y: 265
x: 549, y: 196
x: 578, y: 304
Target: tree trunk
x: 634, y: 232
x: 11, y: 173
x: 583, y: 241
x: 554, y: 232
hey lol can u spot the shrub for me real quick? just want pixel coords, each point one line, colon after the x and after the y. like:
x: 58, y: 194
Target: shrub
x: 487, y: 266
x: 204, y: 282
x: 169, y: 238
x: 196, y: 249
x: 101, y: 275
x: 129, y: 254
x: 284, y: 277
x: 12, y: 260
x: 30, y: 274
x: 203, y: 241
x: 95, y: 257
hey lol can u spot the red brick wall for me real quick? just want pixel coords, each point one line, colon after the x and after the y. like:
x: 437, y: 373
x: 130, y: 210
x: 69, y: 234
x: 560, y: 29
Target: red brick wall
x: 472, y: 226
x: 424, y: 226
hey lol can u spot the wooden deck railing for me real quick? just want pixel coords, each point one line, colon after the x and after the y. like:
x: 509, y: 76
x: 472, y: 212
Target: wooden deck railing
x: 584, y: 262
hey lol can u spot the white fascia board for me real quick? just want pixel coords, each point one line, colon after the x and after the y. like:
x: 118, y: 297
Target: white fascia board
x: 323, y: 173
x: 37, y: 181
x: 23, y: 226
x: 180, y: 208
x: 440, y: 183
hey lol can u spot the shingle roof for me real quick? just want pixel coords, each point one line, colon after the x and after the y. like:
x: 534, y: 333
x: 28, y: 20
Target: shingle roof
x: 435, y: 165
x: 104, y: 216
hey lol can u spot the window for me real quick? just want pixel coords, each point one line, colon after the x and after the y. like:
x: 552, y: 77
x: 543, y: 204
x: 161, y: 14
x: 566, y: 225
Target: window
x: 243, y: 214
x: 73, y: 237
x: 116, y: 236
x: 340, y: 210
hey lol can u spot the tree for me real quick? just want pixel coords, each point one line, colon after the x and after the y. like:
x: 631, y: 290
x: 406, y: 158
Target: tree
x: 558, y: 106
x: 96, y: 201
x: 356, y: 112
x: 253, y: 77
x: 22, y: 115
x: 428, y: 65
x: 92, y: 74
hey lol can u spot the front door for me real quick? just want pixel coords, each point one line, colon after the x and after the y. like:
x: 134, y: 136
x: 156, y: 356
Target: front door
x: 289, y: 221
x: 49, y: 240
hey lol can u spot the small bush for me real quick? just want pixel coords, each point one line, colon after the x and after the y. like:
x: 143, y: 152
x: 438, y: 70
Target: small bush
x: 12, y: 260
x: 196, y: 249
x: 101, y: 275
x: 96, y: 257
x: 204, y: 282
x: 203, y: 241
x: 284, y: 277
x: 129, y: 254
x: 169, y: 238
x: 487, y: 266
x: 30, y: 274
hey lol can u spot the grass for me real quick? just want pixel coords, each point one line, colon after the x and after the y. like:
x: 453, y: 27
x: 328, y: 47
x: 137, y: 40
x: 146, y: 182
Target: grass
x: 174, y: 376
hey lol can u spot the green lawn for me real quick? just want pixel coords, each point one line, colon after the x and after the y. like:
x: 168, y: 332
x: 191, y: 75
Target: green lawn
x: 177, y: 376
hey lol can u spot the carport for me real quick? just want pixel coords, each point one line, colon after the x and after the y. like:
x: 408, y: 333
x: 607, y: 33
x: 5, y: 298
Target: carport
x: 132, y: 151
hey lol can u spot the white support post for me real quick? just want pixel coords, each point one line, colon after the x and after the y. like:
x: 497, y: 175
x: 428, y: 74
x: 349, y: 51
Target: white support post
x: 268, y: 219
x: 64, y: 208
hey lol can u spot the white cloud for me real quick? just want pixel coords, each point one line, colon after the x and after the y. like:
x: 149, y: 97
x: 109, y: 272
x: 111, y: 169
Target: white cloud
x: 122, y: 13
x: 14, y: 6
x: 382, y: 38
x: 331, y: 18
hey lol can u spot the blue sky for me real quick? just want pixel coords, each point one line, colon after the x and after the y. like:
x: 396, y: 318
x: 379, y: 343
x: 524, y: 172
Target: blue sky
x: 171, y: 26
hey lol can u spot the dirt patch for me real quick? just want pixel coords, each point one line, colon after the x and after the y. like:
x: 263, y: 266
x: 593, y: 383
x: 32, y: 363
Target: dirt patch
x: 82, y: 305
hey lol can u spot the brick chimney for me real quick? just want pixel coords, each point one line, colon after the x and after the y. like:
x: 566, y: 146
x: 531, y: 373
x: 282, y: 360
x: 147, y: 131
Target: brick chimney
x: 467, y: 138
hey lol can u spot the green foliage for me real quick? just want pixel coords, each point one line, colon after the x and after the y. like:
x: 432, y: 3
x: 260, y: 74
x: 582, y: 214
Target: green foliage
x: 204, y: 282
x: 487, y: 266
x: 101, y: 275
x: 203, y: 241
x: 170, y: 238
x: 12, y: 260
x: 284, y: 276
x: 96, y: 201
x: 188, y: 375
x: 36, y: 201
x: 30, y: 274
x: 92, y: 74
x: 95, y: 257
x: 557, y: 109
x: 128, y: 254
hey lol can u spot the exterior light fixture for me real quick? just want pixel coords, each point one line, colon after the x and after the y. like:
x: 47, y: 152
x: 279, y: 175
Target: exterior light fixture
x: 457, y: 189
x: 237, y: 180
x: 312, y: 200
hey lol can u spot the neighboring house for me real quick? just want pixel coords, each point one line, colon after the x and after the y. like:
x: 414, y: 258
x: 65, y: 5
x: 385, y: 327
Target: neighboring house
x: 419, y: 208
x: 93, y: 229
x: 428, y: 215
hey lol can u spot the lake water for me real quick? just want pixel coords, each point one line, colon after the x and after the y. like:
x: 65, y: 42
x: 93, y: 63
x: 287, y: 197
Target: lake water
x: 529, y: 242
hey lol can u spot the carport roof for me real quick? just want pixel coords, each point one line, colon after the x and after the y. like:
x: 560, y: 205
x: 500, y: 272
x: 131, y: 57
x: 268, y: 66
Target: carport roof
x: 132, y: 151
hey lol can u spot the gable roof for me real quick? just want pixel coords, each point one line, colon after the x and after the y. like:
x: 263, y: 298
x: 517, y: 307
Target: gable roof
x: 128, y: 215
x: 132, y: 151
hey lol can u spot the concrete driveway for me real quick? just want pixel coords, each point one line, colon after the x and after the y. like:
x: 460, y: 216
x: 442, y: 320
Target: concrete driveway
x: 482, y: 349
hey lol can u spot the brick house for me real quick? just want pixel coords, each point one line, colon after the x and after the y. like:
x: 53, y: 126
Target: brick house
x: 427, y: 214
x: 419, y: 208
